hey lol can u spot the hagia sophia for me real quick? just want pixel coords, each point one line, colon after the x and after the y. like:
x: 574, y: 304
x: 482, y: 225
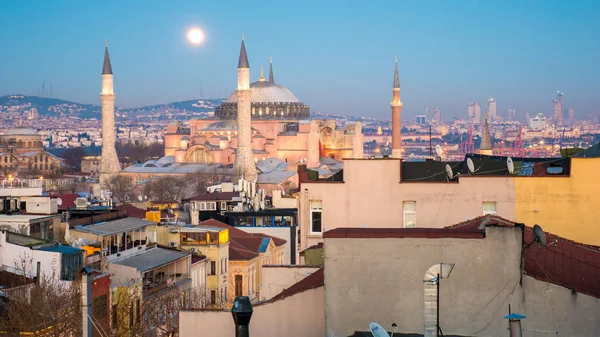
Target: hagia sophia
x: 281, y: 128
x: 278, y: 127
x: 21, y: 151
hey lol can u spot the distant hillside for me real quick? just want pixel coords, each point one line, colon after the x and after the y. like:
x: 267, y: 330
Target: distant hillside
x: 51, y: 106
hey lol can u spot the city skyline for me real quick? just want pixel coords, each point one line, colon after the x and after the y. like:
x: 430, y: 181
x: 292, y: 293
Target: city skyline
x: 153, y: 63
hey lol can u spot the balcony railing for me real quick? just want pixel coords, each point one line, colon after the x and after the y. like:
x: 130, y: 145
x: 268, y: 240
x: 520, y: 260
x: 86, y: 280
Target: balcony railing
x: 152, y: 287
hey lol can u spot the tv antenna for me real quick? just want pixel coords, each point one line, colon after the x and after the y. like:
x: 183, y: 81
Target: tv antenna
x: 59, y: 201
x: 471, y: 166
x: 510, y: 166
x: 450, y: 173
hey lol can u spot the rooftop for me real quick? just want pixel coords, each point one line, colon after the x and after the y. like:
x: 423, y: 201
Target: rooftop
x: 151, y: 259
x: 312, y: 281
x: 563, y: 262
x: 115, y: 226
x: 219, y: 196
x: 383, y: 233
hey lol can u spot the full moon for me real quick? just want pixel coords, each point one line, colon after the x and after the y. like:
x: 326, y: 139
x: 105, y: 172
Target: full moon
x: 195, y: 36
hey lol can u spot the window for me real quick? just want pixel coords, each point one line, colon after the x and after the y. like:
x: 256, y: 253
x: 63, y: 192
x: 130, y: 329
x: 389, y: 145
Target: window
x: 213, y: 268
x: 410, y: 214
x: 71, y: 265
x: 223, y: 206
x: 489, y: 207
x: 213, y: 297
x: 115, y: 316
x: 316, y: 213
x: 239, y: 279
x: 211, y: 206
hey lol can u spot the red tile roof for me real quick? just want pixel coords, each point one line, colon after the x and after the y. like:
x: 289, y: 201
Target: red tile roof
x: 428, y: 233
x: 563, y: 262
x: 242, y: 245
x: 317, y: 246
x: 197, y: 258
x: 132, y: 211
x: 312, y: 281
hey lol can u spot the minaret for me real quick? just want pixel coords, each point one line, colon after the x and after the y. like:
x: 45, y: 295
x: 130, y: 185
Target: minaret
x: 244, y: 161
x: 396, y: 116
x: 109, y: 163
x: 271, y: 80
x: 486, y: 140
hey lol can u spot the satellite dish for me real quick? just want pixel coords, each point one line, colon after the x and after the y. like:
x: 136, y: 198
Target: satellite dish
x: 470, y: 165
x: 510, y: 165
x: 140, y: 198
x: 449, y: 172
x: 438, y: 150
x: 377, y: 330
x: 59, y: 201
x: 539, y: 236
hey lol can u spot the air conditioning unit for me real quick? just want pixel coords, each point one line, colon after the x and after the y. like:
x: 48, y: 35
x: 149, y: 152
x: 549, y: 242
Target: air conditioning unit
x: 173, y: 230
x: 81, y: 203
x: 173, y: 244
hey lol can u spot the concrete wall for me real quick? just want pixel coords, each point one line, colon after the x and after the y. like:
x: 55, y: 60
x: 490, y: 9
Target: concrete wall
x: 278, y: 232
x: 300, y: 315
x: 275, y: 279
x: 566, y: 206
x: 19, y: 259
x: 372, y: 195
x: 381, y: 280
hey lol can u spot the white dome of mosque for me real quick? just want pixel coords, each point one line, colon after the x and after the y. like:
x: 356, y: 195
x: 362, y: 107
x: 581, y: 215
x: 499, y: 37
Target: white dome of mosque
x: 21, y: 132
x: 267, y: 92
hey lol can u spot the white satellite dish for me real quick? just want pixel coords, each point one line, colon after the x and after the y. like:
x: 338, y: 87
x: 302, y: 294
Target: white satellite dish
x: 449, y: 172
x: 377, y: 330
x: 510, y: 165
x: 59, y: 201
x: 140, y: 198
x: 471, y: 166
x: 539, y: 236
x: 438, y: 150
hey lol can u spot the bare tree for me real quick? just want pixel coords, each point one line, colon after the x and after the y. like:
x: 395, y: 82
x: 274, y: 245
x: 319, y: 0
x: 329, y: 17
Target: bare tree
x: 120, y: 186
x: 167, y: 188
x: 48, y: 307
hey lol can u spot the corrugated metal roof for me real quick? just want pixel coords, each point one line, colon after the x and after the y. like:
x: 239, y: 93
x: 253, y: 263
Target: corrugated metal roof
x: 61, y: 249
x: 115, y: 226
x: 151, y: 259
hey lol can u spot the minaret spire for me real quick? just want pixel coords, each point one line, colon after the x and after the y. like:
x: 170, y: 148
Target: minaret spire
x: 243, y: 62
x: 486, y: 139
x: 271, y: 80
x: 107, y: 68
x: 396, y: 116
x: 396, y: 78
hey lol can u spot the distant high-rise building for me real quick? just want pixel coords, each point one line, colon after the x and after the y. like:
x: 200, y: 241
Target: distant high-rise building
x: 557, y: 109
x: 421, y: 119
x: 571, y: 116
x: 474, y: 112
x: 437, y: 114
x: 527, y: 119
x: 491, y: 108
x: 538, y: 122
x: 511, y: 114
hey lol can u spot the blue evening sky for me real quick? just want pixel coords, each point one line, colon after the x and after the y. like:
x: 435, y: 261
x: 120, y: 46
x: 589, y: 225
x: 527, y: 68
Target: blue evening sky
x: 336, y: 56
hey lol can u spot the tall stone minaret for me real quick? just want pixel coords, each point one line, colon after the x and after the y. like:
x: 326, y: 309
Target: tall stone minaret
x: 271, y: 80
x: 396, y: 116
x: 109, y: 163
x: 244, y: 161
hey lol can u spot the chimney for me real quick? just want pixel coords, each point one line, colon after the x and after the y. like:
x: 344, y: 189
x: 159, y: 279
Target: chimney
x: 37, y: 272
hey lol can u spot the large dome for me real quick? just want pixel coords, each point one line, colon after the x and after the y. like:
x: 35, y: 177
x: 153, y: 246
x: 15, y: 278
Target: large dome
x: 268, y: 101
x: 21, y: 132
x: 267, y: 92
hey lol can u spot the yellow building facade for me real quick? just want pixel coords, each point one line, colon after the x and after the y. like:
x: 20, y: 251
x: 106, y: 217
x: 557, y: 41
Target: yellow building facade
x: 565, y: 206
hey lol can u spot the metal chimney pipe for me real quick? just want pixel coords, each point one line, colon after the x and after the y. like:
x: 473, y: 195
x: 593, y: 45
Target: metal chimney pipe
x: 86, y: 301
x: 38, y: 272
x: 242, y: 312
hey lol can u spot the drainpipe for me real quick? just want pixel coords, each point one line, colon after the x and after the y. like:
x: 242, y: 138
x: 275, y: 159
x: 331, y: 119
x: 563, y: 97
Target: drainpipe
x: 86, y: 301
x: 241, y: 312
x: 514, y: 324
x: 38, y: 272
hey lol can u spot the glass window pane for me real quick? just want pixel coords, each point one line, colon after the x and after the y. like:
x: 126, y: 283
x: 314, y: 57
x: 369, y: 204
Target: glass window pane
x: 410, y: 206
x: 410, y: 220
x: 316, y: 222
x: 489, y: 206
x: 316, y: 204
